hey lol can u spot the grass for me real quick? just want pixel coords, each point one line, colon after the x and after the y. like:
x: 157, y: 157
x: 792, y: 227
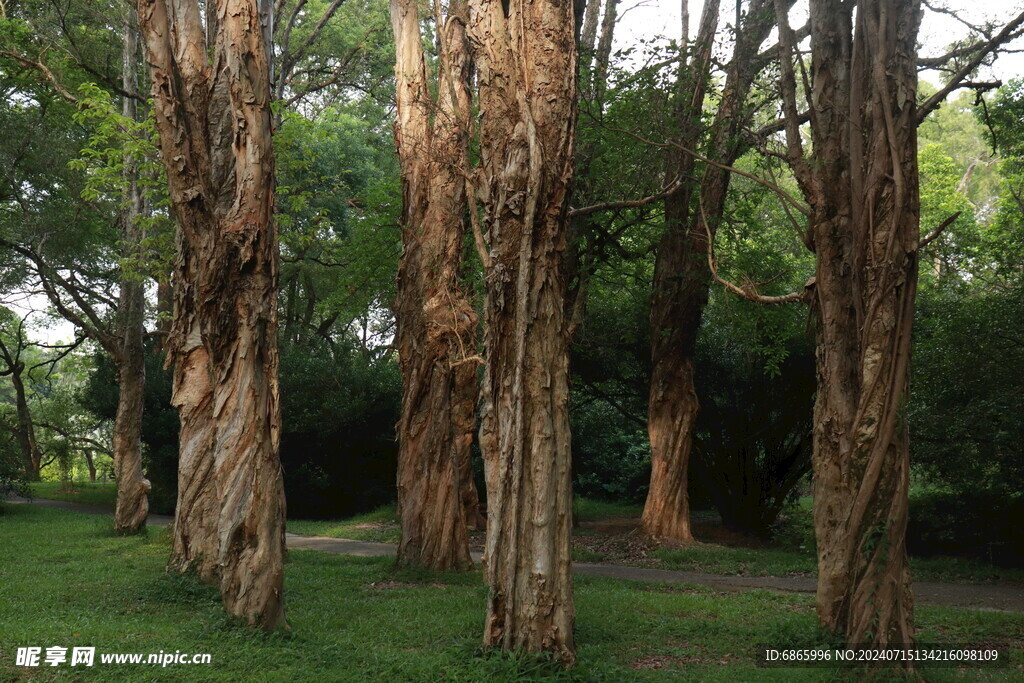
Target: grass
x: 380, y: 526
x: 791, y: 554
x: 590, y: 510
x: 67, y: 581
x: 99, y: 493
x: 720, y: 559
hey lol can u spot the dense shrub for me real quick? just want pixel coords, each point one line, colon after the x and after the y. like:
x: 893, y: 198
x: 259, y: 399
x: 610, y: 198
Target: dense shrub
x: 338, y: 448
x: 12, y: 468
x: 611, y: 457
x: 978, y: 524
x: 753, y: 440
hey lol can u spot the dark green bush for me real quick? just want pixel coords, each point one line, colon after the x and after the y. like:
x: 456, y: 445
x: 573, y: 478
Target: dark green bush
x: 12, y: 470
x: 984, y: 525
x: 338, y: 447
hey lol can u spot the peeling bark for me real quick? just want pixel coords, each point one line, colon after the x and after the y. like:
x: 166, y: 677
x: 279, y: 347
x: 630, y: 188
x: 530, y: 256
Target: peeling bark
x: 436, y: 324
x: 864, y: 195
x: 681, y: 275
x: 214, y: 123
x: 526, y: 60
x: 133, y: 488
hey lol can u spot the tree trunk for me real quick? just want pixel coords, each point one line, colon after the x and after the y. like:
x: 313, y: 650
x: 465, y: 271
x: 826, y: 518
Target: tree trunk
x: 215, y: 137
x: 681, y: 276
x: 26, y: 432
x: 436, y: 324
x: 90, y: 462
x: 132, y: 505
x: 164, y: 312
x: 865, y: 230
x: 195, y: 545
x: 526, y: 60
x: 679, y: 293
x: 132, y: 487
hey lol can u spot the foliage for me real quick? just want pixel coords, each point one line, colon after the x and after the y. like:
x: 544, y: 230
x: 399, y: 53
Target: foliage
x: 967, y: 522
x: 612, y: 457
x: 117, y: 143
x: 339, y: 408
x: 968, y: 386
x: 752, y: 443
x: 12, y: 465
x: 159, y: 422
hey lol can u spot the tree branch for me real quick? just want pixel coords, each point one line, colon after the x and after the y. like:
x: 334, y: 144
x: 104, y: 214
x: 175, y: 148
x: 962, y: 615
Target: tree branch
x: 958, y: 78
x: 938, y: 230
x: 675, y: 186
x: 725, y: 167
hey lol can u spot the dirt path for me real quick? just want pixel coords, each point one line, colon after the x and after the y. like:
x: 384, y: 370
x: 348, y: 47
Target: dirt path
x: 1002, y: 598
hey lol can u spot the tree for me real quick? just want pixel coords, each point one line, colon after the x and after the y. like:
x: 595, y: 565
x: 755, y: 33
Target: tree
x: 69, y: 280
x: 23, y: 429
x: 132, y: 487
x: 214, y: 121
x: 525, y: 58
x: 862, y: 185
x: 681, y: 276
x: 436, y: 324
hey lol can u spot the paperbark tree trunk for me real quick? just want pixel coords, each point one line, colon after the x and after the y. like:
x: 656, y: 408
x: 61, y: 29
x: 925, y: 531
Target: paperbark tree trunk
x: 525, y: 56
x: 679, y: 292
x: 681, y: 277
x: 133, y: 488
x: 865, y: 204
x: 436, y: 324
x: 214, y: 123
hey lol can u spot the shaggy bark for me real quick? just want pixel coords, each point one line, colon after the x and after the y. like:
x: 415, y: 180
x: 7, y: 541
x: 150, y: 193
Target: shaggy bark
x: 133, y: 488
x: 215, y: 127
x: 436, y: 325
x: 526, y: 60
x: 681, y: 276
x: 863, y: 190
x: 677, y: 299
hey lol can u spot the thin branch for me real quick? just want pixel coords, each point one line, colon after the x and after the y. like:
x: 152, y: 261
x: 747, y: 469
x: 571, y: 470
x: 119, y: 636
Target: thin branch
x: 725, y: 167
x: 938, y: 230
x: 42, y: 68
x: 52, y: 362
x: 673, y: 187
x: 749, y: 293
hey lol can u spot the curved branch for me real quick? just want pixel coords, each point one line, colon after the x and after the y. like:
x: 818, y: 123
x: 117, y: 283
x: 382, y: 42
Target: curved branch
x: 749, y: 293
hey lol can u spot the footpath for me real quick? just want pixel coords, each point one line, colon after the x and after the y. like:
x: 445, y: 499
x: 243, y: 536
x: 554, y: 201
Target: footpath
x: 994, y: 597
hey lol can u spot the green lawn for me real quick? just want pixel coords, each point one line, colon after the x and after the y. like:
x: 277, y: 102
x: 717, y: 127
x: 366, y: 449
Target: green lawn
x: 82, y: 492
x: 719, y: 559
x: 590, y: 510
x: 380, y: 525
x: 791, y: 555
x: 67, y: 581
